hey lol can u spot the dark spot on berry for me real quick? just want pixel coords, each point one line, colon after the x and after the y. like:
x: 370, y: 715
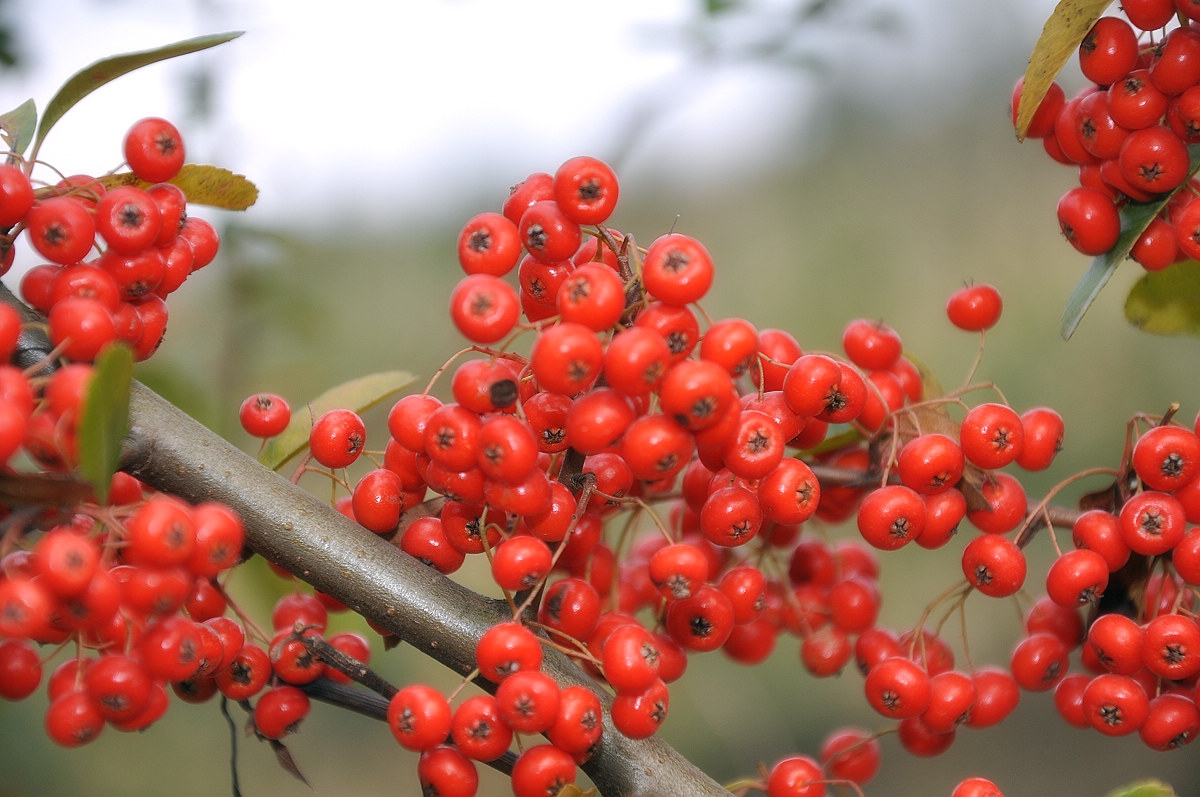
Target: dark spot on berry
x: 480, y: 241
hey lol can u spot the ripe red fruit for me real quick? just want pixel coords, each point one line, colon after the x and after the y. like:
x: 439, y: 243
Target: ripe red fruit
x: 991, y: 435
x: 1006, y: 504
x: 73, y: 719
x: 1042, y: 430
x: 154, y: 150
x: 566, y: 358
x: 484, y: 308
x: 1039, y: 662
x: 796, y: 776
x: 1152, y: 522
x: 279, y: 711
x: 1115, y: 705
x: 975, y: 307
x: 61, y: 229
x: 1171, y: 647
x: 477, y: 729
x: 677, y: 269
x: 976, y: 787
x: 871, y: 345
x: 897, y: 688
x: 127, y: 219
x: 891, y: 516
x: 378, y: 500
x: 994, y: 565
x: 419, y: 717
x: 489, y: 244
x: 930, y: 463
x: 548, y: 233
x: 542, y: 770
x: 586, y: 190
x: 264, y: 414
x: 1167, y: 457
x: 505, y: 649
x: 16, y: 195
x: 1089, y: 220
x: 446, y: 772
x: 337, y: 438
x: 1154, y: 160
x: 1077, y: 578
x: 1176, y: 64
x: 1109, y: 51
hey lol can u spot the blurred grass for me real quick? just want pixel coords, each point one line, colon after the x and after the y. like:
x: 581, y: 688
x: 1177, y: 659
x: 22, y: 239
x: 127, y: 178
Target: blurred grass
x: 880, y: 225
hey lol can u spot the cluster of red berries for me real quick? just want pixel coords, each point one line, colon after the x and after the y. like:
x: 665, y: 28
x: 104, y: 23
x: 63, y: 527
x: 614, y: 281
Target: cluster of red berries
x: 115, y: 252
x: 1128, y: 131
x: 1140, y: 657
x: 132, y: 585
x: 622, y: 404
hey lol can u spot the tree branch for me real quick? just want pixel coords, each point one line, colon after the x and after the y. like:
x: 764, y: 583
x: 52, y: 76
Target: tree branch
x: 172, y: 452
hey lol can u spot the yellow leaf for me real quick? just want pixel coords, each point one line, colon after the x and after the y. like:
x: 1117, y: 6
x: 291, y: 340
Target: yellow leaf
x: 1070, y: 22
x: 202, y: 185
x: 571, y: 790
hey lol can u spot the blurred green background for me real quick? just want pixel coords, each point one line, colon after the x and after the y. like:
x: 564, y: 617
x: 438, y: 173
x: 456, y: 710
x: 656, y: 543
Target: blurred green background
x: 858, y: 187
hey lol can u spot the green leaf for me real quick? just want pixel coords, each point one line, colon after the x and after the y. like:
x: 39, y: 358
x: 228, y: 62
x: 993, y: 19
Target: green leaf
x: 1167, y: 302
x: 104, y: 420
x: 202, y: 185
x: 358, y: 394
x: 1135, y: 217
x: 17, y: 126
x: 90, y: 78
x: 1070, y: 22
x: 1145, y: 788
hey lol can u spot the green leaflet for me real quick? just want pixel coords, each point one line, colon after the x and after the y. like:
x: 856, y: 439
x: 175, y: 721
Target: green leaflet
x: 1145, y: 788
x: 358, y: 394
x: 104, y: 420
x: 17, y: 126
x: 1167, y: 302
x: 90, y: 78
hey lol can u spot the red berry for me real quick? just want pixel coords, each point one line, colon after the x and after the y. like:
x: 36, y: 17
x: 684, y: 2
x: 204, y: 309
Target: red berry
x: 16, y: 195
x: 891, y: 517
x: 1154, y: 160
x: 994, y: 565
x: 61, y: 229
x: 586, y: 190
x: 677, y: 269
x: 264, y: 414
x: 489, y: 244
x: 446, y: 772
x: 1109, y: 50
x: 279, y: 711
x: 154, y: 150
x: 541, y: 771
x: 419, y: 717
x: 505, y: 649
x: 871, y: 345
x: 548, y: 233
x: 1089, y: 220
x: 975, y: 307
x: 337, y: 438
x: 128, y: 219
x: 484, y: 308
x: 796, y: 776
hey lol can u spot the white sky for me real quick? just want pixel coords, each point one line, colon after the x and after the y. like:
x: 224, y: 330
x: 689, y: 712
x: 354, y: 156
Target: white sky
x: 381, y: 104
